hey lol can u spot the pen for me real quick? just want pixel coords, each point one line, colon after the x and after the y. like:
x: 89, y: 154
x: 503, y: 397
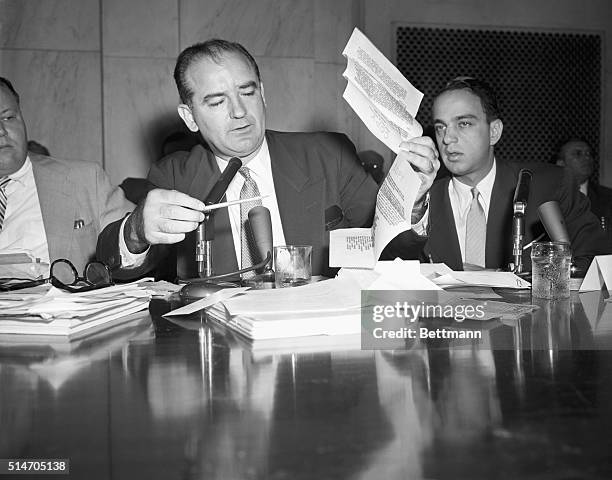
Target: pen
x: 215, y: 206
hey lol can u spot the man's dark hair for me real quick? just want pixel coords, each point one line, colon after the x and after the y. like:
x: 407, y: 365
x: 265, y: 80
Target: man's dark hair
x: 558, y: 148
x: 481, y: 89
x: 9, y: 85
x: 214, y: 49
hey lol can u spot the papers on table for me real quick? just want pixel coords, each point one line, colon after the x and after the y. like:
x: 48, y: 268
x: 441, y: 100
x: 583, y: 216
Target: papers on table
x: 599, y: 274
x: 47, y: 310
x: 330, y: 307
x: 17, y: 267
x: 379, y: 94
x: 481, y: 278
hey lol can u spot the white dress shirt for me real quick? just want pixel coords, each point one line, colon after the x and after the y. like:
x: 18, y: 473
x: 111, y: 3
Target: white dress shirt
x: 460, y: 196
x: 260, y: 168
x: 23, y: 230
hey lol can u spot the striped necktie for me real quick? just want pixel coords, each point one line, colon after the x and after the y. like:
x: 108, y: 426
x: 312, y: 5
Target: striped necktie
x: 3, y: 200
x: 247, y: 242
x: 475, y: 233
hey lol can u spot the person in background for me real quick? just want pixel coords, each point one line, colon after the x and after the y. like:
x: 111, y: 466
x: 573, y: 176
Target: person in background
x: 307, y: 177
x: 50, y: 208
x: 471, y: 212
x: 576, y: 156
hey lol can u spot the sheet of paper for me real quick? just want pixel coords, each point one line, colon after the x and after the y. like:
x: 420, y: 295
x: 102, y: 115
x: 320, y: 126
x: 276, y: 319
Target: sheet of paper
x: 379, y: 94
x: 361, y: 247
x: 401, y: 275
x: 394, y: 204
x: 326, y: 296
x: 482, y: 279
x: 206, y: 302
x: 599, y: 274
x: 351, y: 247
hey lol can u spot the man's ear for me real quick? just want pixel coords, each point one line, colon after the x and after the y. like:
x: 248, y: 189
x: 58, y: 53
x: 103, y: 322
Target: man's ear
x: 495, y: 131
x: 185, y: 113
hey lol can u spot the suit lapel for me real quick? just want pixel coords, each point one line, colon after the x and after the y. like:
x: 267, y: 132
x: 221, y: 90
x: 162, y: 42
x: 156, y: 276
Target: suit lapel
x: 300, y: 198
x: 499, y: 219
x: 58, y: 211
x: 443, y: 244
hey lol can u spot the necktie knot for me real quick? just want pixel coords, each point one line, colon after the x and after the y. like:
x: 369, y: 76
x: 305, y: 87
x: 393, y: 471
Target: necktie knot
x: 475, y: 193
x: 246, y: 173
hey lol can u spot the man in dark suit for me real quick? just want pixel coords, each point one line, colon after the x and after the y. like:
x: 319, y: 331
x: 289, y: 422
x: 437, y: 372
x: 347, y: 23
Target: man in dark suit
x: 314, y: 181
x: 471, y: 212
x: 576, y: 156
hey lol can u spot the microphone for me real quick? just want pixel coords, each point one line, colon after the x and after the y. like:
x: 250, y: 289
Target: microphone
x: 205, y: 232
x: 519, y: 203
x: 553, y: 221
x: 216, y: 193
x: 521, y: 193
x: 261, y: 226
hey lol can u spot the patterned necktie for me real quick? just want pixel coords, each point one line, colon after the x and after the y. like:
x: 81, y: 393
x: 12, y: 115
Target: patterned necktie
x: 475, y: 233
x: 3, y: 200
x: 247, y: 242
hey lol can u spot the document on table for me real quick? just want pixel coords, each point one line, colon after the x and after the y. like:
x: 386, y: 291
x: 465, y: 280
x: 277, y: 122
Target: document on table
x: 379, y: 94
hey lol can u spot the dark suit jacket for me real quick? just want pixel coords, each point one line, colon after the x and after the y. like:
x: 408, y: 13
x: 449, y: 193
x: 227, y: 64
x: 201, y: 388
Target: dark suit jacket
x: 312, y: 172
x: 548, y: 183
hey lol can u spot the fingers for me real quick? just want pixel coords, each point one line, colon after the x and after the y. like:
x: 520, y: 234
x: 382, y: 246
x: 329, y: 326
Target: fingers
x: 422, y: 154
x: 168, y: 215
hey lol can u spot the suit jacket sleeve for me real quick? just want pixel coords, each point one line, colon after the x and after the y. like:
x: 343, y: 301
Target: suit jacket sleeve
x: 586, y: 237
x: 161, y: 175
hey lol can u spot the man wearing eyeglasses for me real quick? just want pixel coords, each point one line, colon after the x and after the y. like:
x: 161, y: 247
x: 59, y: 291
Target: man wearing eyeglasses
x: 49, y: 208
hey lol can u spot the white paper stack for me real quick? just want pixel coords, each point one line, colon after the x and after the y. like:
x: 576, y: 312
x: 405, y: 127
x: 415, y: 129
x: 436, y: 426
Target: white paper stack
x: 330, y: 307
x: 50, y: 311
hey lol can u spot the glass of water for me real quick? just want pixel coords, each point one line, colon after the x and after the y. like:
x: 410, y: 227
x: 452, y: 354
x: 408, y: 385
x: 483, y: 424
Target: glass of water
x: 550, y: 270
x: 292, y: 265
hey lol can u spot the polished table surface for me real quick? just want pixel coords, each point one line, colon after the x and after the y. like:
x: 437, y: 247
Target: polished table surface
x: 531, y: 399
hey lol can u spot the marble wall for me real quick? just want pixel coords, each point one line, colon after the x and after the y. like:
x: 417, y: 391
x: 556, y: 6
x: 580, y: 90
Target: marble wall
x: 95, y: 76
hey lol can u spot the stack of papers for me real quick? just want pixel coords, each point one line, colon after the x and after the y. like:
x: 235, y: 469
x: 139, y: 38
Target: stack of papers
x: 47, y: 310
x: 330, y: 307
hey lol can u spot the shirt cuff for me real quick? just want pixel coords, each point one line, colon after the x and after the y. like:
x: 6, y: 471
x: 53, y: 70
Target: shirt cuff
x: 129, y: 259
x: 422, y: 225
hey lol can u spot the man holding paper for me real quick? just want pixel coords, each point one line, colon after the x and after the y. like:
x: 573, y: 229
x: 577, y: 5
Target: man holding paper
x: 313, y: 182
x: 471, y: 212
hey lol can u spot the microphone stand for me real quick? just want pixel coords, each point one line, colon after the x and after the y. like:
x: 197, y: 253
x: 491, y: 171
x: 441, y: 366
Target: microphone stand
x: 518, y: 234
x: 204, y: 237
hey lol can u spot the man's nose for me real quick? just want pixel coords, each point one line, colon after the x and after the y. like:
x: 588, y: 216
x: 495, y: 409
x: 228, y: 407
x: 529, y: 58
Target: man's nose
x: 450, y: 136
x: 237, y: 108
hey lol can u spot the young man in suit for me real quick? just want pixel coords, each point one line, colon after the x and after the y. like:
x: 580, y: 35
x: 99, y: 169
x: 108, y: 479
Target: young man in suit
x: 471, y: 211
x: 305, y: 175
x: 50, y: 208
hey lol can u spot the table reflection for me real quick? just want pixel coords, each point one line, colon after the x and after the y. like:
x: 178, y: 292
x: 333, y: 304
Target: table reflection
x: 164, y: 401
